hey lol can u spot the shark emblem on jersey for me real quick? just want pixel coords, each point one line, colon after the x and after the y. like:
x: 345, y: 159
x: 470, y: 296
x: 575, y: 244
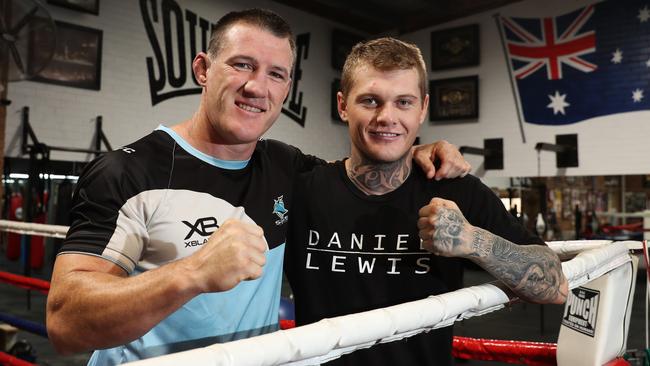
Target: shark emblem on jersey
x: 280, y: 211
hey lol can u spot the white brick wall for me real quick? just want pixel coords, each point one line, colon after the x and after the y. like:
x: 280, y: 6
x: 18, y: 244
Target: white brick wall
x: 64, y: 116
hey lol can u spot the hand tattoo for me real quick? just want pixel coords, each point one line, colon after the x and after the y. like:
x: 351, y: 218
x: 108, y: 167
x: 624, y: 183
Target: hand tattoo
x: 448, y: 230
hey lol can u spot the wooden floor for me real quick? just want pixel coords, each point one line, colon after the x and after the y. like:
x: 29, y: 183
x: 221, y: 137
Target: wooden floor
x: 529, y: 322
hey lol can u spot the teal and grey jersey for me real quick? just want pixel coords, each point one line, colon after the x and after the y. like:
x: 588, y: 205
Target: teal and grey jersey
x: 158, y: 200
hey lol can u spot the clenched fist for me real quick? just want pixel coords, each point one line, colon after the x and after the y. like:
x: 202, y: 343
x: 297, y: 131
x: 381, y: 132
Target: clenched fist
x: 444, y: 230
x: 233, y: 253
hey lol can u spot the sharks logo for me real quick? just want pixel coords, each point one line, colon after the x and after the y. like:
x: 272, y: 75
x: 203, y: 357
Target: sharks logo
x: 280, y: 211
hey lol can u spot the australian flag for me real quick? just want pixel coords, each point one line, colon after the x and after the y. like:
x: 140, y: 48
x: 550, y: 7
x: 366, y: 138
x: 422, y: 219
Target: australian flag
x: 594, y: 61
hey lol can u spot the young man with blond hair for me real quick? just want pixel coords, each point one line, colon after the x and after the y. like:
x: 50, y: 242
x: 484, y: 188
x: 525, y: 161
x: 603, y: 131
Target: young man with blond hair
x: 364, y: 229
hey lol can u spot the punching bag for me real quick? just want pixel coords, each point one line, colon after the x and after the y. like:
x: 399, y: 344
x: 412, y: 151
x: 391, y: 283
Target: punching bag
x: 37, y: 252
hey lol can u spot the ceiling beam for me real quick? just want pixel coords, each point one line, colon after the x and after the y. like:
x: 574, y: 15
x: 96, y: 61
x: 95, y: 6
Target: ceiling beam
x: 355, y: 15
x: 341, y: 15
x: 445, y: 13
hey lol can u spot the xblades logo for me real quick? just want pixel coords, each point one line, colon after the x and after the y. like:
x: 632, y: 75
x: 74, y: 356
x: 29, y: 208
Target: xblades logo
x: 202, y: 226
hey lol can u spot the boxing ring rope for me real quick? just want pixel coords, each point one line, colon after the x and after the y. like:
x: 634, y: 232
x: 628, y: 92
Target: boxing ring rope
x: 518, y: 352
x: 10, y: 360
x: 32, y: 327
x: 28, y: 228
x: 27, y: 283
x: 330, y: 338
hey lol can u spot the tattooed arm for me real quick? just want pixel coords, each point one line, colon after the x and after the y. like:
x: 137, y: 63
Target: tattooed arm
x: 532, y: 272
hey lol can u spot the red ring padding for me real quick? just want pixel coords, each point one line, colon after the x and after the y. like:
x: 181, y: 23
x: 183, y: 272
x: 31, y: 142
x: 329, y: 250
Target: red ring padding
x: 25, y: 282
x: 9, y: 360
x: 518, y: 352
x: 287, y: 324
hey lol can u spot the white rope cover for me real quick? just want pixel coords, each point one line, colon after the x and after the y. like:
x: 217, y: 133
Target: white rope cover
x: 569, y: 248
x: 30, y: 228
x: 330, y: 338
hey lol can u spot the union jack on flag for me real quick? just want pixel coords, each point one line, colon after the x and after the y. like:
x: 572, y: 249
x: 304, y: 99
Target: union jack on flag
x: 552, y: 50
x: 591, y: 62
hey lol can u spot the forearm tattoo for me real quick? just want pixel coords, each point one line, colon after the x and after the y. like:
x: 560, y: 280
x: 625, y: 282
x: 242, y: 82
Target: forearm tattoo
x: 481, y: 247
x: 533, y: 272
x: 376, y: 178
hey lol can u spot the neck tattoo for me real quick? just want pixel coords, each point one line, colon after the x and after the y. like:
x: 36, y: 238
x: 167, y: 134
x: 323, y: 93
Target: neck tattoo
x: 374, y: 178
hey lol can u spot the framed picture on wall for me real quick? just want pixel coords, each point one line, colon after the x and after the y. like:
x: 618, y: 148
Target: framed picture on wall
x: 455, y: 47
x: 77, y: 59
x: 342, y: 43
x: 86, y: 6
x: 453, y: 99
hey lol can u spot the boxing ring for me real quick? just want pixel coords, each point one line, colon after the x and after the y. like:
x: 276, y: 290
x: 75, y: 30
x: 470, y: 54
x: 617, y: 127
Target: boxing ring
x: 27, y: 283
x: 328, y: 339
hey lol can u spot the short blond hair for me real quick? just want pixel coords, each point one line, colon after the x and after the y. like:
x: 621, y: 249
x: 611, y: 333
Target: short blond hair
x: 384, y: 54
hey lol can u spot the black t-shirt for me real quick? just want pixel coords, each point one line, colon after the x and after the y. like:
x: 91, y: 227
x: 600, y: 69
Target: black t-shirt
x: 348, y: 252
